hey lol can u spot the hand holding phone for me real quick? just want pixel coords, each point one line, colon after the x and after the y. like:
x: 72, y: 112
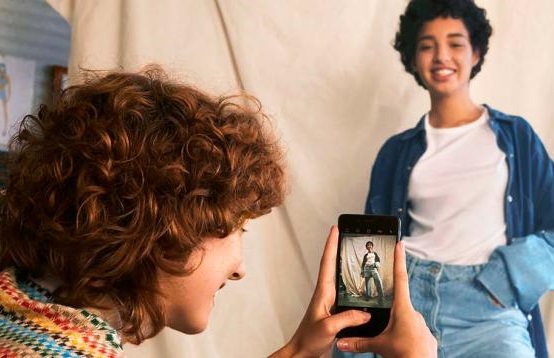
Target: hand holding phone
x: 406, y: 334
x: 318, y: 328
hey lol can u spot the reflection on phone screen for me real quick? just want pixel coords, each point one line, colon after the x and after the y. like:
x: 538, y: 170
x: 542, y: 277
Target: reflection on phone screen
x: 366, y: 270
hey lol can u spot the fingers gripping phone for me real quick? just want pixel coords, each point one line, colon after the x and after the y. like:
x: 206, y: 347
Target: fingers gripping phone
x: 364, y: 271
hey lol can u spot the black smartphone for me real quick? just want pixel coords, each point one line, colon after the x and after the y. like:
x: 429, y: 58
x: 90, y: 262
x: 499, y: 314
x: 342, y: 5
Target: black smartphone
x: 364, y: 277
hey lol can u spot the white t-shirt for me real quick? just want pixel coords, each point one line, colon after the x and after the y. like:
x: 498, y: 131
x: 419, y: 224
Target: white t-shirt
x: 456, y: 195
x: 370, y: 259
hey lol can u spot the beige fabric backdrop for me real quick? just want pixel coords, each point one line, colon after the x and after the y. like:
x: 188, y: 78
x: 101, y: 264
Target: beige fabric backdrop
x: 326, y: 72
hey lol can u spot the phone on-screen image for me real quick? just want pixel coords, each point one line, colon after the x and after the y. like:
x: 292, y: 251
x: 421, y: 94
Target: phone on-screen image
x: 364, y: 271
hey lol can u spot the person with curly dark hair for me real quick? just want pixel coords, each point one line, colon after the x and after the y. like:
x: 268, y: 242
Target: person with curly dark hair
x: 124, y: 212
x: 370, y: 270
x: 474, y: 188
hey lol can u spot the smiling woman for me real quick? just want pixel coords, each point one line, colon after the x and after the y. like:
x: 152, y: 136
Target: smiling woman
x: 444, y: 57
x: 467, y: 181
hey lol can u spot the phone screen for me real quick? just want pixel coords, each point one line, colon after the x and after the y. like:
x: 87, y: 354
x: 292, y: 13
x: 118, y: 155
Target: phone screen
x: 365, y: 267
x: 366, y: 270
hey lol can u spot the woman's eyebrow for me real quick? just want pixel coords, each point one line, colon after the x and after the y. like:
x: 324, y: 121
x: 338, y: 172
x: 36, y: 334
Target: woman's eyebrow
x: 452, y: 35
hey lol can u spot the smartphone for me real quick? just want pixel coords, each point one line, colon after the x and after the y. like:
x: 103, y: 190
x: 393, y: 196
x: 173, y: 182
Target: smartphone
x: 364, y: 273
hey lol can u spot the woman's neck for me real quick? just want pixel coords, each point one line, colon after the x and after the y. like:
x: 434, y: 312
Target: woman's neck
x: 453, y: 111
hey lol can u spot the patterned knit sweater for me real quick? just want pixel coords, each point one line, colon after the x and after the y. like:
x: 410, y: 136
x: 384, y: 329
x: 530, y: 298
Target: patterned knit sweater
x: 31, y: 325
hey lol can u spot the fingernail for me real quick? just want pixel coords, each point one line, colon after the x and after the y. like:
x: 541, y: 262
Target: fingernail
x: 367, y: 316
x: 342, y: 345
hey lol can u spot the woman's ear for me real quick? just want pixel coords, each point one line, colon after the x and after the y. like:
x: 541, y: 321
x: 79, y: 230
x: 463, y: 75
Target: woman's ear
x: 475, y: 57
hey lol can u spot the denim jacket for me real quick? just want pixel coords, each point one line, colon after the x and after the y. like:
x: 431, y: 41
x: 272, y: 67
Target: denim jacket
x: 519, y: 273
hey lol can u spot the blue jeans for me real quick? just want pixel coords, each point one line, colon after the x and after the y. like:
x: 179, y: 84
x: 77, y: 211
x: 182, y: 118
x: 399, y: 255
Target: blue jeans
x: 368, y: 275
x: 461, y: 314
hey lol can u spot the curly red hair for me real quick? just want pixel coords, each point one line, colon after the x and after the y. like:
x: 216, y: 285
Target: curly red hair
x: 125, y: 176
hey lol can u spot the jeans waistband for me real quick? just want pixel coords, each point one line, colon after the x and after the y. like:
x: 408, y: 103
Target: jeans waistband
x: 446, y: 272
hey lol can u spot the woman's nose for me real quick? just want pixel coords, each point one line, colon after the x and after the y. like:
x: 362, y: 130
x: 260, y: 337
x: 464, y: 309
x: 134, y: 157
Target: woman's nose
x: 442, y: 54
x: 238, y: 273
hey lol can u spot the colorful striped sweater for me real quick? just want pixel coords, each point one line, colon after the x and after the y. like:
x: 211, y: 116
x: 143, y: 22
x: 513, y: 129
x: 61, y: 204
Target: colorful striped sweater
x: 31, y: 325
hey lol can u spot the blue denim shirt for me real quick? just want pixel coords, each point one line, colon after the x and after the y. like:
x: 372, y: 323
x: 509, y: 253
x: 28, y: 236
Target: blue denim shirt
x: 520, y: 272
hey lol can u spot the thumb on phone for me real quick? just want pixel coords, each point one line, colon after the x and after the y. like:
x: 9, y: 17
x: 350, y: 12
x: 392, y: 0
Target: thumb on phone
x: 361, y: 345
x: 350, y: 318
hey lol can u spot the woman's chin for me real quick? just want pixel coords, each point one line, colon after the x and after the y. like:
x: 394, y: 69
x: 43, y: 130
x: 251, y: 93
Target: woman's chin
x: 190, y: 326
x: 191, y: 329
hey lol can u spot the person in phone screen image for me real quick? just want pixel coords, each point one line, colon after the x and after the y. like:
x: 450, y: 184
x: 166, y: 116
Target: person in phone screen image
x: 366, y: 271
x: 474, y: 189
x: 370, y: 270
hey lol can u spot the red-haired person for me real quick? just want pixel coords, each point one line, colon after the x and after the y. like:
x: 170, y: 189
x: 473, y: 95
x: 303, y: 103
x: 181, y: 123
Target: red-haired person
x: 124, y: 212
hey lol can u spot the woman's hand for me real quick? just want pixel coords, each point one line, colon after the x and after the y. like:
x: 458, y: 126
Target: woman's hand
x: 318, y: 328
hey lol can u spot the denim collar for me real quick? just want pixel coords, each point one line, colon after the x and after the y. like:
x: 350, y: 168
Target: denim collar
x: 419, y: 129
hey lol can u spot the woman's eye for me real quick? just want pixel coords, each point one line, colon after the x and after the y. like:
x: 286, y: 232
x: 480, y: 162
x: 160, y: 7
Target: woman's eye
x: 424, y: 47
x: 243, y: 229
